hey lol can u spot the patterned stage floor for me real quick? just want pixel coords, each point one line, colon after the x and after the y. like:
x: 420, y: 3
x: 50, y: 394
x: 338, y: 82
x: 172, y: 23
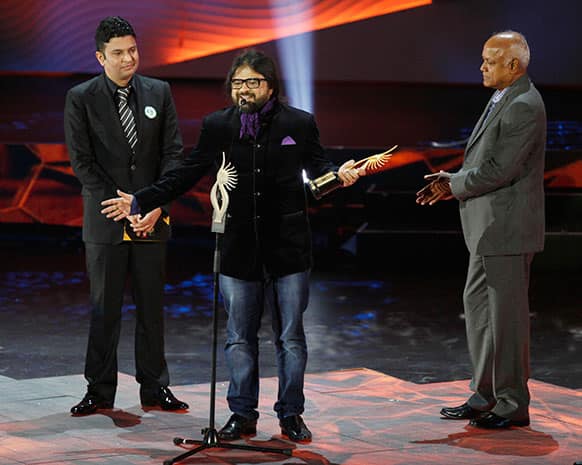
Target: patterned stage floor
x: 358, y: 417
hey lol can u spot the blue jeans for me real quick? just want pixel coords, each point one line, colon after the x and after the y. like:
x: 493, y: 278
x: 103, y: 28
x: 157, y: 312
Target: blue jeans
x: 244, y: 301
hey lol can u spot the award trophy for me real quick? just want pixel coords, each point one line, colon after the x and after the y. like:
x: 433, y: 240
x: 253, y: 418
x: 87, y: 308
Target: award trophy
x: 226, y: 180
x: 331, y: 181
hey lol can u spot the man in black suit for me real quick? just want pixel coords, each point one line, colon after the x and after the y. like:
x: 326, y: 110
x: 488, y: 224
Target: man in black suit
x: 121, y: 132
x: 500, y: 189
x: 266, y: 251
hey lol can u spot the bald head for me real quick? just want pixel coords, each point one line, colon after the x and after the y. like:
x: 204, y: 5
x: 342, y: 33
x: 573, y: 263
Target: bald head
x: 505, y: 59
x: 513, y: 44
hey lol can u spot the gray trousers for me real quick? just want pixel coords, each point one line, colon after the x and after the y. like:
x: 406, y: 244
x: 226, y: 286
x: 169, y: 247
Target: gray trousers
x: 498, y: 331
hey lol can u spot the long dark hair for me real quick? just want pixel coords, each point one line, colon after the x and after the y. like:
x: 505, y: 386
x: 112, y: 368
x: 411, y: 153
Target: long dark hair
x: 259, y: 62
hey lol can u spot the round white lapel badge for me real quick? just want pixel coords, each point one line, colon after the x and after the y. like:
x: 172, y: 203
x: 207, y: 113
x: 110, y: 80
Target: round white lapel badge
x: 150, y: 112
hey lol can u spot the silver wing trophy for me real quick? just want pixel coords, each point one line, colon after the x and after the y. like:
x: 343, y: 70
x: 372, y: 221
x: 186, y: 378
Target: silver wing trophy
x: 226, y: 179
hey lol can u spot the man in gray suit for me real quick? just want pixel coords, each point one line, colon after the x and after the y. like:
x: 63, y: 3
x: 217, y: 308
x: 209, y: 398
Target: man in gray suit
x: 501, y: 196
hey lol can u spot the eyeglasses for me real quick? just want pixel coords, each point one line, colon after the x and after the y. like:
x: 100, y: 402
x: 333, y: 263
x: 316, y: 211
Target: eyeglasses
x: 252, y: 83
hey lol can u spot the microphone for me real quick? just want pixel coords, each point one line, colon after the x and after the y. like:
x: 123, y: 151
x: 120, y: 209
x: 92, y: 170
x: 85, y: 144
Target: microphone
x: 242, y: 102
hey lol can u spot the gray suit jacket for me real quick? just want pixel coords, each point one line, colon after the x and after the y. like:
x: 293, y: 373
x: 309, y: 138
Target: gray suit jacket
x: 500, y: 185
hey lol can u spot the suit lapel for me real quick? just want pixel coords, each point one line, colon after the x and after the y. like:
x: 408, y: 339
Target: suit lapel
x: 479, y: 126
x: 516, y: 89
x: 142, y: 100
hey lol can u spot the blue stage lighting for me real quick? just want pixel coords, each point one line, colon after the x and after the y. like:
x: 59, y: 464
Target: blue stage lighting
x: 296, y: 59
x: 296, y: 54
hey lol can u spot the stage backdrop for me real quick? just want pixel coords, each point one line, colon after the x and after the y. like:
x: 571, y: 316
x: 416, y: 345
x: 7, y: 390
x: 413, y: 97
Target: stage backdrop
x: 346, y: 41
x: 355, y: 40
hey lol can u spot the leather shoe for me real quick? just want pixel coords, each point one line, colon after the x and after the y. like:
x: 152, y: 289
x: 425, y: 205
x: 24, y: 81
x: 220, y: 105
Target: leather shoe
x: 236, y: 426
x: 492, y: 421
x: 295, y: 429
x: 462, y: 412
x: 163, y: 398
x: 89, y: 405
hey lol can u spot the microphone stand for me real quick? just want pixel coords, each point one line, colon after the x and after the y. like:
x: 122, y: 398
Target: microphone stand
x: 226, y: 180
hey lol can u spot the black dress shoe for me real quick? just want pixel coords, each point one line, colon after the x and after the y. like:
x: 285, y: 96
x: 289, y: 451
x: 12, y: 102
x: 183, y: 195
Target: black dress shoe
x: 163, y: 398
x: 462, y: 412
x: 89, y: 405
x: 492, y: 421
x: 236, y: 426
x: 295, y: 429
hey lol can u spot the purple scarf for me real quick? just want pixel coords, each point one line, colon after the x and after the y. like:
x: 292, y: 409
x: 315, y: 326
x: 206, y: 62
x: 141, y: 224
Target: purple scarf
x: 251, y: 122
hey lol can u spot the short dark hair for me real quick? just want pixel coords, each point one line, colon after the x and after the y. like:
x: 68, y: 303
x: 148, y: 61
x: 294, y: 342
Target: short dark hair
x: 259, y: 62
x: 110, y: 27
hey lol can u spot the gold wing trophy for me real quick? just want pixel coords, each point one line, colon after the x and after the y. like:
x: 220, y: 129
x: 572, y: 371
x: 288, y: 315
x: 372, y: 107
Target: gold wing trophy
x: 329, y: 182
x: 226, y: 179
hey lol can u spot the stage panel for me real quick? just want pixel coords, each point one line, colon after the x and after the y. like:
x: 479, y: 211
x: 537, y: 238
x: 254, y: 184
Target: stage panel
x: 358, y: 417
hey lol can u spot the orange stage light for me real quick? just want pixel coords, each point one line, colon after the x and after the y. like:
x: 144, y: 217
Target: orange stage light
x: 204, y: 29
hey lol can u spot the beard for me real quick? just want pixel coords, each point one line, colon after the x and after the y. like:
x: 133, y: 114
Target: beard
x: 250, y: 106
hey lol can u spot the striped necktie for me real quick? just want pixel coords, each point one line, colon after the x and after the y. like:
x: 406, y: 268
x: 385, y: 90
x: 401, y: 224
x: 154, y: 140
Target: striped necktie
x: 126, y: 117
x: 489, y: 111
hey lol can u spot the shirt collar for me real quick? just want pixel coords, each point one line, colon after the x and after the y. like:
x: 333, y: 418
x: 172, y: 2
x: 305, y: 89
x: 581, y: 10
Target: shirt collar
x: 113, y: 87
x: 498, y: 95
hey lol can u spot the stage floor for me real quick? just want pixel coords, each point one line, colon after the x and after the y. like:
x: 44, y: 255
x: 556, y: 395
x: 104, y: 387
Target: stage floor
x: 408, y: 324
x: 407, y: 334
x: 358, y: 417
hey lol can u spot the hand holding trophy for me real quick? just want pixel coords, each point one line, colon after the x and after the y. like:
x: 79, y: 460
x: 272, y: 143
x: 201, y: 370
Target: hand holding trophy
x: 369, y: 165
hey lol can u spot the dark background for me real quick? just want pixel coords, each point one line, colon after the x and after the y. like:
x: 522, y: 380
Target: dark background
x: 388, y: 275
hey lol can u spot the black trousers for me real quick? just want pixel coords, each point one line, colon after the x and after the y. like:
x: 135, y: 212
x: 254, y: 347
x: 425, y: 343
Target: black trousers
x: 109, y: 266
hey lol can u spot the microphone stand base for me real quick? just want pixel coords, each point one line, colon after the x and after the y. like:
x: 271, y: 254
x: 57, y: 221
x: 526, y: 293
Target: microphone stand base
x: 211, y: 441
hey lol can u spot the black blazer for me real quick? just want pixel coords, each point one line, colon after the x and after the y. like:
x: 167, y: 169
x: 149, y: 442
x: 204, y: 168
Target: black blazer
x: 100, y: 154
x: 267, y: 227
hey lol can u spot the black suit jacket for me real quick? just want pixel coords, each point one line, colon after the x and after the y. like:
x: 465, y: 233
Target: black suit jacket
x: 267, y: 227
x: 101, y: 156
